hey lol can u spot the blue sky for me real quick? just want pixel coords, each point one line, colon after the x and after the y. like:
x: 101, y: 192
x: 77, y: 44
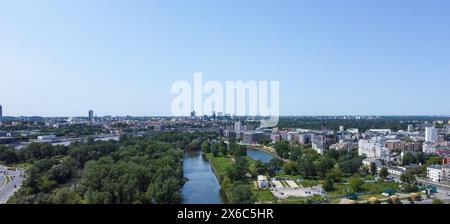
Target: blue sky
x: 382, y: 57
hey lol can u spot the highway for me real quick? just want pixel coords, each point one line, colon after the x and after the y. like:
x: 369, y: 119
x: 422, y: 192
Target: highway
x: 10, y: 183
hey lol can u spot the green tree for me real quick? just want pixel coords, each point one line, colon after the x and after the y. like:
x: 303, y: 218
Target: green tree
x: 206, y: 147
x: 384, y: 173
x: 409, y: 182
x: 214, y: 151
x: 306, y: 167
x: 408, y: 158
x: 323, y: 165
x: 260, y: 168
x: 240, y: 193
x: 223, y: 150
x: 335, y: 174
x: 282, y: 148
x: 328, y: 184
x: 274, y: 166
x: 349, y: 164
x: 66, y: 196
x: 355, y: 183
x: 373, y: 168
x: 290, y: 168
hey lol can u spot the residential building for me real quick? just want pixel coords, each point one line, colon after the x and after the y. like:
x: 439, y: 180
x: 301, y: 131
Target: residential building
x: 381, y: 131
x: 368, y: 162
x: 344, y: 146
x: 446, y: 173
x: 434, y: 173
x: 304, y: 138
x: 318, y: 146
x: 291, y: 136
x: 252, y: 137
x: 275, y: 138
x: 46, y: 137
x: 429, y: 148
x: 431, y: 134
x: 374, y: 148
x: 401, y: 146
x: 396, y: 171
x: 229, y: 134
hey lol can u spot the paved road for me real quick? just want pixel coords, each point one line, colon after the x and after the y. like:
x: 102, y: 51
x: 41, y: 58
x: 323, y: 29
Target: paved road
x: 443, y: 189
x: 7, y: 189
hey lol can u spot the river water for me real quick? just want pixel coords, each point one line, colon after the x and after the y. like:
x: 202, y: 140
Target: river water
x: 202, y: 186
x: 259, y: 155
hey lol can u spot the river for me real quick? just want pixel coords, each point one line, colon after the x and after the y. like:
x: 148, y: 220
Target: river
x: 202, y: 186
x: 265, y: 157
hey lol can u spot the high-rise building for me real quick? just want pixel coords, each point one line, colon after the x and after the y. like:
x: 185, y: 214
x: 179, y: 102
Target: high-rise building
x: 1, y: 112
x: 410, y: 128
x: 237, y: 126
x: 431, y: 134
x: 91, y: 114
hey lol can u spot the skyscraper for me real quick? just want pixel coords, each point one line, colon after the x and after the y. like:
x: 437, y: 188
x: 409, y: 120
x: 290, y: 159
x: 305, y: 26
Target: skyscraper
x: 1, y: 112
x: 431, y: 134
x: 91, y: 114
x: 237, y: 126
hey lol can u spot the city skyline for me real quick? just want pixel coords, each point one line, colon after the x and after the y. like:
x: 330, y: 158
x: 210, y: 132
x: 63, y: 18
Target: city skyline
x: 331, y: 58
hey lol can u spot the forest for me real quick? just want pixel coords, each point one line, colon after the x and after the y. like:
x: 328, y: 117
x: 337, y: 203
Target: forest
x: 133, y: 170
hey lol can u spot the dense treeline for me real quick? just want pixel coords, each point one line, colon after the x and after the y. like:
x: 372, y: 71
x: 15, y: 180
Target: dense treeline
x: 132, y: 170
x: 306, y: 162
x: 74, y: 130
x: 393, y: 123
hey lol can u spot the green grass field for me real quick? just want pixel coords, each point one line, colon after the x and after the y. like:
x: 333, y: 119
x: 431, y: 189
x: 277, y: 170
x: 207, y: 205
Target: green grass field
x: 220, y: 164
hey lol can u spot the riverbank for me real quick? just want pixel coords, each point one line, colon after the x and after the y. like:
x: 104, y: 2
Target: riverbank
x: 221, y: 164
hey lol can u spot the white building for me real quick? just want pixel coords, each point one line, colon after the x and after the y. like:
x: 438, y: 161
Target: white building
x: 46, y: 137
x: 410, y: 128
x: 396, y: 171
x: 434, y: 173
x: 446, y: 173
x: 318, y: 146
x: 374, y: 148
x: 431, y: 134
x: 429, y: 148
x: 263, y: 182
x: 381, y: 131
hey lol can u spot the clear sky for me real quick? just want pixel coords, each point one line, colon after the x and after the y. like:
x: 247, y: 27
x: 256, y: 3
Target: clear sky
x: 382, y: 57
